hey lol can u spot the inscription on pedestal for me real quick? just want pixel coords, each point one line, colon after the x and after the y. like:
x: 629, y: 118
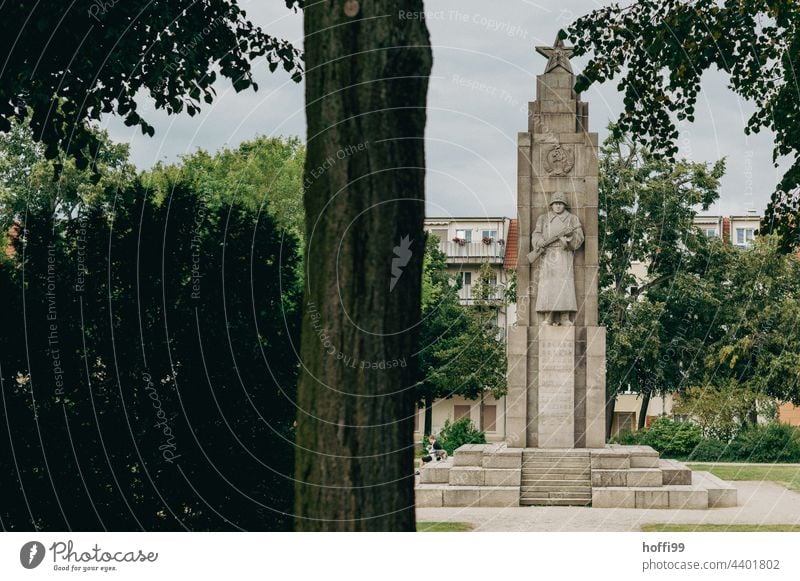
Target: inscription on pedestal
x: 556, y: 387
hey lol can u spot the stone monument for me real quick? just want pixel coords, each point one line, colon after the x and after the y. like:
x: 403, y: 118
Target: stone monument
x: 556, y: 352
x: 554, y: 452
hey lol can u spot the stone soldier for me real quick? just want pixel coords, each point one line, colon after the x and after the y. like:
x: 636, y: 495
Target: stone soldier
x: 557, y: 236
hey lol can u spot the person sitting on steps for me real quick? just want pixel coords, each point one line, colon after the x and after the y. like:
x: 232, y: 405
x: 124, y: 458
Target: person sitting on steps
x: 435, y: 450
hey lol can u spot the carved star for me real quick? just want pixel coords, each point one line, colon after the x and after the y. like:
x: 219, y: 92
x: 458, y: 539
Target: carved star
x: 557, y: 55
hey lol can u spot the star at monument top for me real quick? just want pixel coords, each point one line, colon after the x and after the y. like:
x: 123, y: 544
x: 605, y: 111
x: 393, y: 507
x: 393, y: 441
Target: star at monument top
x: 557, y: 55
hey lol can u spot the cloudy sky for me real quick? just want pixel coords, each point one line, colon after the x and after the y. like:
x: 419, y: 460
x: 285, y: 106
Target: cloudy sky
x: 483, y: 76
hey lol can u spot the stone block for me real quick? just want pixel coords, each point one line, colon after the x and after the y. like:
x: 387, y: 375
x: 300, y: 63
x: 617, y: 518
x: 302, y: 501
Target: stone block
x: 613, y: 498
x: 721, y: 494
x: 606, y: 478
x: 524, y: 139
x: 461, y: 496
x: 691, y: 498
x: 674, y: 473
x: 516, y: 428
x: 436, y: 472
x: 502, y: 477
x: 466, y: 476
x: 501, y: 496
x: 722, y: 497
x: 428, y: 497
x: 468, y: 455
x: 572, y: 138
x: 610, y: 462
x: 652, y: 499
x: 503, y: 458
x: 555, y: 123
x: 643, y: 477
x: 557, y: 106
x: 642, y: 456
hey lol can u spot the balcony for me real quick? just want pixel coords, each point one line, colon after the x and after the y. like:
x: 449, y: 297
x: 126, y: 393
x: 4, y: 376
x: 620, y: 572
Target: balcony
x: 473, y: 252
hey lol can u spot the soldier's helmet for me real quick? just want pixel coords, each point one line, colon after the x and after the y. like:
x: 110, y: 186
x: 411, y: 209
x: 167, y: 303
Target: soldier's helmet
x: 559, y: 197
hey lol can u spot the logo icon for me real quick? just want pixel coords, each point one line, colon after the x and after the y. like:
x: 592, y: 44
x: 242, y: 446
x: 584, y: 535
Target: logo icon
x: 31, y: 554
x: 402, y: 254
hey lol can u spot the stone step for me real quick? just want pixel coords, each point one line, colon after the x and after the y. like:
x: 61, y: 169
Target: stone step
x: 554, y: 502
x: 580, y: 496
x: 673, y: 472
x: 527, y: 479
x: 558, y: 464
x: 673, y: 497
x: 554, y: 478
x: 631, y: 477
x: 583, y: 459
x: 556, y: 470
x: 545, y: 452
x: 542, y: 488
x: 721, y: 494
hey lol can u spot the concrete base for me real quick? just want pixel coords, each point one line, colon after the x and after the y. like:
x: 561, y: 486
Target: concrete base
x: 493, y: 475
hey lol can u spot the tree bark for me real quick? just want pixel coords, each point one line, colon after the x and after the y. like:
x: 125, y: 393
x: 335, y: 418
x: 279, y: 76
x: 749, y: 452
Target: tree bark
x: 611, y: 402
x: 643, y: 410
x: 428, y: 414
x: 366, y: 88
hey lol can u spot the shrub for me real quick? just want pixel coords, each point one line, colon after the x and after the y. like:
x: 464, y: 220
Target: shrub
x: 772, y: 442
x: 458, y: 433
x: 711, y: 450
x: 626, y: 438
x: 671, y: 438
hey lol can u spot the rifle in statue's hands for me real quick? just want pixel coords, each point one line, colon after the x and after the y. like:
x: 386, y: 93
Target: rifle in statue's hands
x: 534, y: 255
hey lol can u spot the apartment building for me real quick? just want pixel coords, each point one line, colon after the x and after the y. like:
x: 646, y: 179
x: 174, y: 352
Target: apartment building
x: 468, y: 243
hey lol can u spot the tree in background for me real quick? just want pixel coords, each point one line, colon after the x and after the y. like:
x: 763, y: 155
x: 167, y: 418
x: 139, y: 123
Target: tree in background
x: 665, y: 46
x: 67, y: 65
x: 461, y: 352
x: 647, y: 208
x: 366, y: 89
x: 30, y: 183
x: 148, y: 370
x: 265, y: 172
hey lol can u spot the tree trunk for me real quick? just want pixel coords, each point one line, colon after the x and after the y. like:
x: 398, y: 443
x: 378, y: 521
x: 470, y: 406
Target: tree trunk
x: 643, y: 411
x: 428, y: 414
x: 480, y: 417
x: 611, y: 402
x: 366, y: 87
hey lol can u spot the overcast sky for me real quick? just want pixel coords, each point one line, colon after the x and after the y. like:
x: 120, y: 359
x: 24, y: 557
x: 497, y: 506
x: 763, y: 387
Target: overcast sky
x: 471, y: 134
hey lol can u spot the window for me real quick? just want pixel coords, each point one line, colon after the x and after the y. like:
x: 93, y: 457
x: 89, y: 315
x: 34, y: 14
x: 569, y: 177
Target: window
x: 490, y: 418
x: 440, y: 233
x: 460, y: 411
x: 710, y: 232
x: 489, y: 234
x: 744, y: 236
x: 466, y: 278
x: 464, y: 235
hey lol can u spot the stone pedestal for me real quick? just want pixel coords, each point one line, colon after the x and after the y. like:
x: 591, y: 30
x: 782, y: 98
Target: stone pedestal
x: 555, y: 422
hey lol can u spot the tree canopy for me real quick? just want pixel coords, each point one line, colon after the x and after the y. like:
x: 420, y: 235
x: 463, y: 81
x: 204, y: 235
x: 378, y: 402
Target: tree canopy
x: 659, y: 50
x: 647, y: 207
x: 68, y: 64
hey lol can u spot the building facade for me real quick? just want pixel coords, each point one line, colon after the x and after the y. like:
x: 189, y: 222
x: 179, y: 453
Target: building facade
x: 470, y: 242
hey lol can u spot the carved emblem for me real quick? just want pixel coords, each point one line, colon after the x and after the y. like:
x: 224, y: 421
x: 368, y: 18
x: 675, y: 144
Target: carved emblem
x: 559, y: 161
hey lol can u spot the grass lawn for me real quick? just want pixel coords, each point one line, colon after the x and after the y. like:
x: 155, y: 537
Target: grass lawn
x: 702, y: 528
x: 789, y: 476
x: 443, y: 527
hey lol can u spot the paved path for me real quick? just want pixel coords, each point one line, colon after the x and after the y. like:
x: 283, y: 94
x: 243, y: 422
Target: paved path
x: 759, y: 503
